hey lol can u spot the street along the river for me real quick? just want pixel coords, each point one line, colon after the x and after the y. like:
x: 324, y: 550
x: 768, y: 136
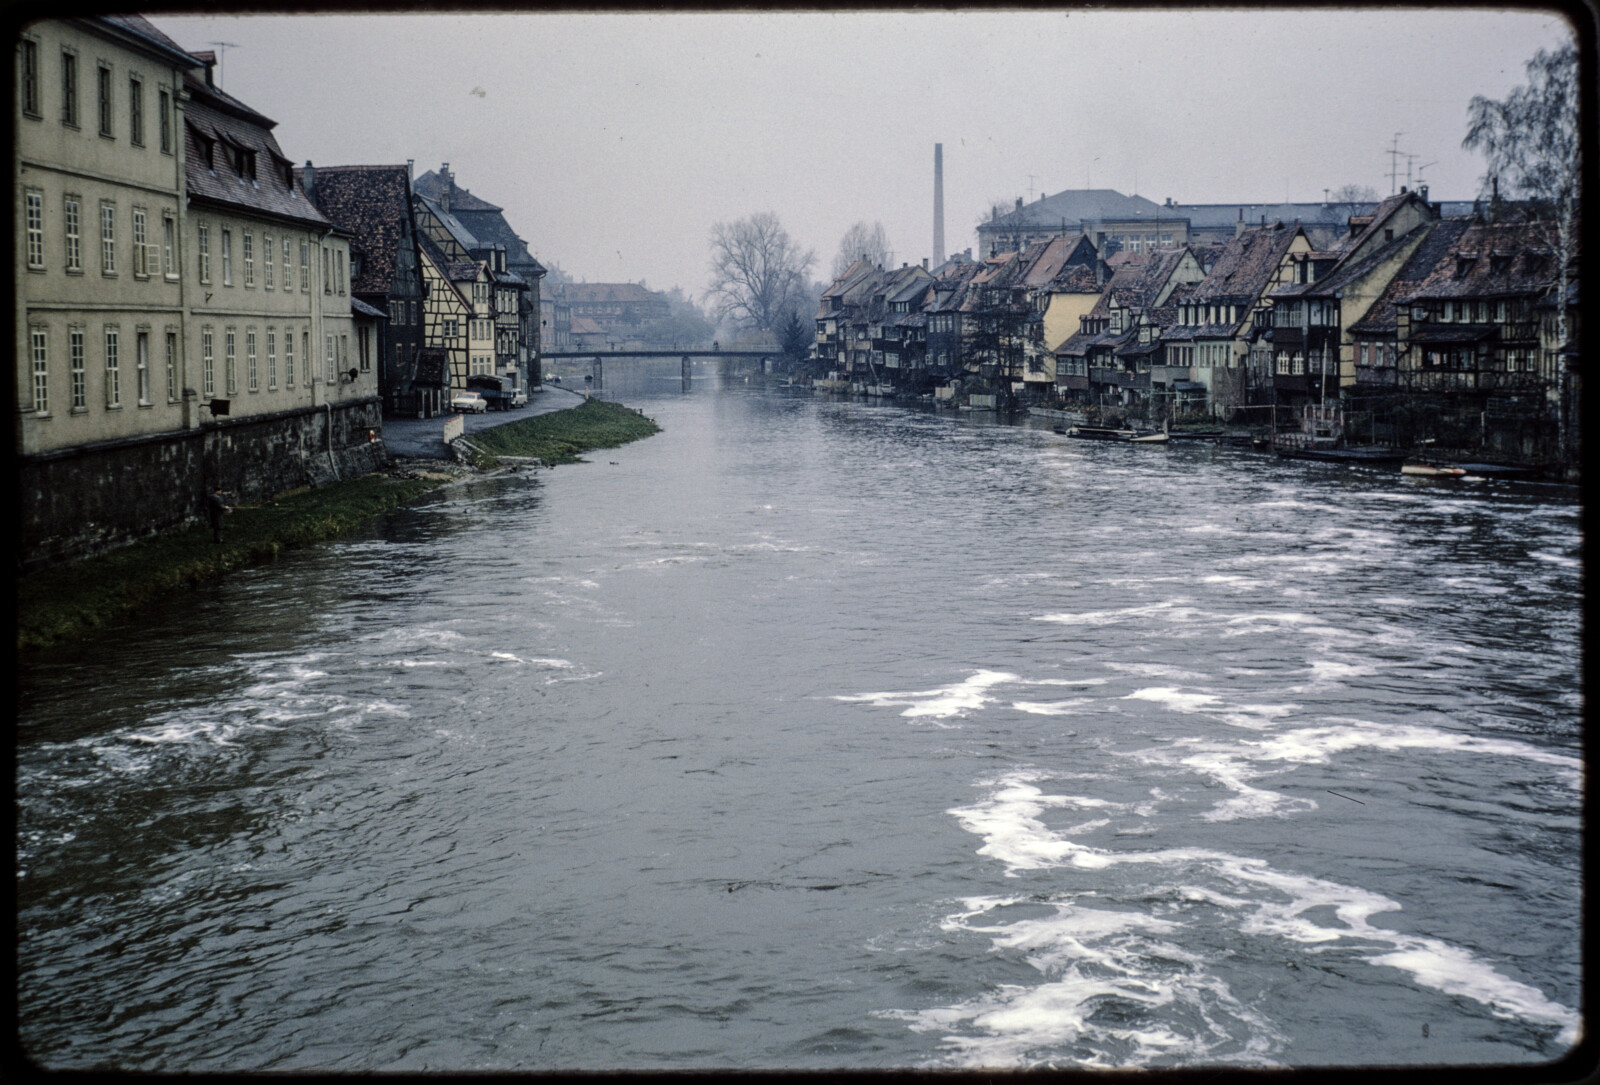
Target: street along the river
x: 812, y: 733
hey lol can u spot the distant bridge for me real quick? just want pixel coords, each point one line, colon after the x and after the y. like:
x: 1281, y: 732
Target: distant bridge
x: 730, y: 360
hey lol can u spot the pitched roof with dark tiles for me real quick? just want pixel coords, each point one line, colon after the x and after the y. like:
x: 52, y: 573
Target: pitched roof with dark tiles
x: 1497, y: 259
x: 371, y: 202
x: 1380, y: 316
x: 140, y: 27
x: 207, y: 117
x: 1246, y: 264
x: 433, y: 186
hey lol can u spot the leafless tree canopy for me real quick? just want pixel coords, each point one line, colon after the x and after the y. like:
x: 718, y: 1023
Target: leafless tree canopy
x: 1530, y: 139
x: 860, y: 241
x: 758, y: 272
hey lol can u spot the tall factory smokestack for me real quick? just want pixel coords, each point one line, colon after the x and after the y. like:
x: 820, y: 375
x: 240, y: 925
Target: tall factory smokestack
x: 938, y: 204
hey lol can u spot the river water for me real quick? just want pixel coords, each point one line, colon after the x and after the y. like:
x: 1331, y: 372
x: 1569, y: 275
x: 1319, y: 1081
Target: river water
x: 822, y: 734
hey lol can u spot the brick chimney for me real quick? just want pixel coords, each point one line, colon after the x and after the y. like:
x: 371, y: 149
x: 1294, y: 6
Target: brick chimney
x: 308, y: 180
x: 449, y: 184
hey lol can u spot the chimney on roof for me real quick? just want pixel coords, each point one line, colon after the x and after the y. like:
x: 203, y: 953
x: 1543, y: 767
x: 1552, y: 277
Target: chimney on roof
x: 410, y: 165
x: 1019, y: 203
x: 449, y: 183
x: 209, y: 59
x: 924, y: 263
x: 308, y: 180
x: 1422, y: 192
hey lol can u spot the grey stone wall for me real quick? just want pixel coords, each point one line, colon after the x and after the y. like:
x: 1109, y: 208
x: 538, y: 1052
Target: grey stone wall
x: 77, y: 502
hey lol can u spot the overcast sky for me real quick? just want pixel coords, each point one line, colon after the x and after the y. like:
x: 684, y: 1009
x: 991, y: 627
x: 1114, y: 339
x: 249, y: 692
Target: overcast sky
x: 615, y: 141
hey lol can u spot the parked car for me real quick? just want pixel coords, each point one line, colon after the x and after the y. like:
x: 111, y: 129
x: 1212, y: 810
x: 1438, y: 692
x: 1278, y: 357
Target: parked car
x: 469, y: 401
x: 519, y: 399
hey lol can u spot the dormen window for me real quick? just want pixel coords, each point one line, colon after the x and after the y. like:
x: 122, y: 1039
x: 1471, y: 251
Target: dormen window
x: 104, y: 84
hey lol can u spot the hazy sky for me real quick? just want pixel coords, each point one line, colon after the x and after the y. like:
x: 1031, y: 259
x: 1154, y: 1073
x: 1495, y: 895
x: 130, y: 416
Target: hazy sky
x: 614, y: 141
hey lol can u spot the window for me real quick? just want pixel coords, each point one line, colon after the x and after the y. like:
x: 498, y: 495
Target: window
x: 113, y: 367
x: 202, y: 233
x: 227, y: 257
x: 449, y: 329
x: 32, y: 103
x: 288, y: 276
x: 76, y: 356
x: 344, y: 354
x: 250, y: 359
x: 249, y: 260
x: 39, y: 339
x: 108, y: 238
x: 288, y: 358
x: 305, y: 265
x: 327, y: 359
x: 36, y: 230
x: 69, y: 89
x: 266, y: 261
x: 230, y: 359
x: 169, y: 238
x: 103, y: 83
x: 208, y: 363
x: 141, y: 254
x: 366, y: 357
x: 164, y: 101
x: 327, y: 280
x: 72, y: 218
x: 338, y: 269
x: 172, y: 367
x: 141, y: 359
x: 135, y: 111
x: 272, y: 359
x: 305, y: 354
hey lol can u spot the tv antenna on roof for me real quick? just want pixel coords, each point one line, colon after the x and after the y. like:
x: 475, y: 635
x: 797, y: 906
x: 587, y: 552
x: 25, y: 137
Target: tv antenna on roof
x: 222, y: 51
x: 1394, y: 162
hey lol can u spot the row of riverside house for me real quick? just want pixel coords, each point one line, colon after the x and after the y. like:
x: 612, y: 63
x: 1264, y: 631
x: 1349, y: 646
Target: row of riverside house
x: 1417, y: 327
x: 192, y: 310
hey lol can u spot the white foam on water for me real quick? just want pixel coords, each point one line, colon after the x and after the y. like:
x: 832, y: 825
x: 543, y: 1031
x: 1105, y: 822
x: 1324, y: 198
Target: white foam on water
x: 1157, y: 670
x: 1118, y: 990
x: 942, y: 703
x: 1566, y: 561
x: 1316, y: 745
x: 1174, y: 698
x: 1053, y: 708
x: 535, y: 661
x: 1133, y: 959
x: 1111, y: 617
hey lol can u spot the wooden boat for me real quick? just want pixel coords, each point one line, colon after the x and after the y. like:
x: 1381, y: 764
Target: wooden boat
x: 1108, y: 433
x: 1433, y: 470
x: 1340, y: 453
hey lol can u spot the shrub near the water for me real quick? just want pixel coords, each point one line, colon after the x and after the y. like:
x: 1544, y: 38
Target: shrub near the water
x: 560, y: 436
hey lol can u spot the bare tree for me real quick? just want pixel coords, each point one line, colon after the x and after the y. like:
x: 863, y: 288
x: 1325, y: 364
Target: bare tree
x: 1531, y: 146
x: 758, y: 272
x: 861, y: 240
x: 995, y: 208
x: 1348, y: 200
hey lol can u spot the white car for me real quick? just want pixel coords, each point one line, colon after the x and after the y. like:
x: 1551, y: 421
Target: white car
x: 469, y: 401
x: 519, y: 399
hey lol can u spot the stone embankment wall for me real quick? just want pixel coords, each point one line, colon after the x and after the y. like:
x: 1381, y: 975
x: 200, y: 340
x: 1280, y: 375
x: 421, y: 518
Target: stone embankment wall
x: 85, y: 500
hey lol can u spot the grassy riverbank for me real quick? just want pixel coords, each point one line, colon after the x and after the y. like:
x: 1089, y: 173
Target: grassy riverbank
x: 561, y: 436
x: 66, y: 602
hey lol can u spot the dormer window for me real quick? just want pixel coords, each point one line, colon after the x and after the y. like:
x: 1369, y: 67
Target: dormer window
x: 1499, y: 264
x: 1464, y: 266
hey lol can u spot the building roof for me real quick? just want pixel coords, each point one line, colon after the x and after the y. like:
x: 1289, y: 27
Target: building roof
x: 373, y: 204
x: 151, y: 37
x: 363, y: 309
x: 234, y: 128
x: 1246, y: 264
x: 615, y: 293
x: 1380, y: 316
x: 435, y: 183
x: 1495, y: 259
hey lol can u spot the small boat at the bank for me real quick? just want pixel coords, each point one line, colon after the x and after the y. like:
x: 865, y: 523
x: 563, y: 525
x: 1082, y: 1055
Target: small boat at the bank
x: 1339, y: 453
x: 1109, y: 433
x: 1433, y: 470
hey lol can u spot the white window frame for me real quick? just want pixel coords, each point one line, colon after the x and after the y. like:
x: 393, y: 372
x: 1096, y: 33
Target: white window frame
x: 227, y: 256
x: 288, y: 355
x: 113, y: 346
x: 251, y: 376
x: 230, y: 359
x: 141, y: 361
x: 141, y: 255
x: 169, y: 245
x: 78, y: 367
x: 272, y: 359
x: 72, y: 223
x: 39, y: 349
x: 35, y: 229
x: 248, y: 251
x: 172, y: 365
x: 202, y: 235
x: 266, y: 261
x: 208, y: 361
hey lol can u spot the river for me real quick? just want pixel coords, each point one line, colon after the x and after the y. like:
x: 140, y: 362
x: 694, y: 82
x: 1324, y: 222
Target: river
x: 814, y: 734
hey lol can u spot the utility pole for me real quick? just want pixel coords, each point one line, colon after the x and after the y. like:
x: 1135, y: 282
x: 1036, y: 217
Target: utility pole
x: 222, y: 51
x: 1394, y: 163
